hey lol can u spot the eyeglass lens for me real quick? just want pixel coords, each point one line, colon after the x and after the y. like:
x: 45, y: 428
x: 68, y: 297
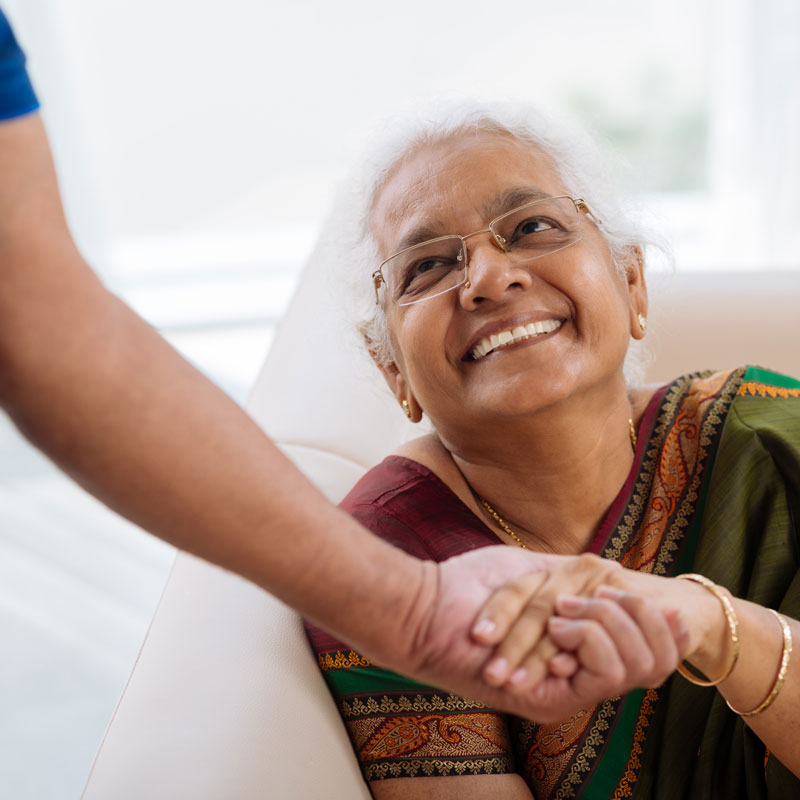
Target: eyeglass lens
x: 439, y: 265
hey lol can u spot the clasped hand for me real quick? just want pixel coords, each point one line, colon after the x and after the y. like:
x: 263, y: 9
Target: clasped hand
x: 555, y: 637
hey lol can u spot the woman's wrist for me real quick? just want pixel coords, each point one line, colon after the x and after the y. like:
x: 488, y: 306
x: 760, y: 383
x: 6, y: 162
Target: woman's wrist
x: 715, y: 657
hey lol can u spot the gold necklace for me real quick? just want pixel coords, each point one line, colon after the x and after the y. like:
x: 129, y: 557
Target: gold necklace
x: 502, y: 523
x: 507, y: 528
x: 633, y: 433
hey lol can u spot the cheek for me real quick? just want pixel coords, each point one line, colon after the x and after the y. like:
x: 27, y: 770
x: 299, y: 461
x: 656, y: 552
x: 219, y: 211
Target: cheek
x: 601, y: 298
x: 416, y: 341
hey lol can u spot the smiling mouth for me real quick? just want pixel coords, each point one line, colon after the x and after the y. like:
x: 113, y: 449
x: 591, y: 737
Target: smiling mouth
x: 519, y: 334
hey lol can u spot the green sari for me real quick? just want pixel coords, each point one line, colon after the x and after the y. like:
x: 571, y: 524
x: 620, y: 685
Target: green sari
x: 714, y: 489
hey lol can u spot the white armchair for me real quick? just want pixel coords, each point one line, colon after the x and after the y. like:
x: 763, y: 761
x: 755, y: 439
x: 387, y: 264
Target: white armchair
x: 225, y: 700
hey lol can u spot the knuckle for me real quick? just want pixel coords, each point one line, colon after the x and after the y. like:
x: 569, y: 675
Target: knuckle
x: 514, y: 590
x: 616, y: 675
x: 646, y: 665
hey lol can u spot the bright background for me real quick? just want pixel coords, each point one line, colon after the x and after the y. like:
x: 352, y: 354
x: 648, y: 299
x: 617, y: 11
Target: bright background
x: 199, y: 146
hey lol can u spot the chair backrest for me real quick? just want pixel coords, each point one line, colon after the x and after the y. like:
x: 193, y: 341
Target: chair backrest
x: 225, y: 700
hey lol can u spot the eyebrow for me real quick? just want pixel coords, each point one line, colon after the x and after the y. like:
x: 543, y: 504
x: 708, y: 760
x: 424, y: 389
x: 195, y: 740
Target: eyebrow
x: 422, y: 233
x: 511, y: 198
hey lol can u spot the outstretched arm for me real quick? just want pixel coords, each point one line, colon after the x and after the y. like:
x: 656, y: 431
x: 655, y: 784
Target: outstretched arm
x: 99, y: 391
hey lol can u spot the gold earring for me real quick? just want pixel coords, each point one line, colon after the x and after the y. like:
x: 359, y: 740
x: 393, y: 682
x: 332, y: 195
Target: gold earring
x: 642, y: 321
x: 406, y: 408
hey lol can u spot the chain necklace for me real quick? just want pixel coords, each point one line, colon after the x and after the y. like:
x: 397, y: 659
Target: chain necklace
x: 502, y: 523
x: 506, y: 528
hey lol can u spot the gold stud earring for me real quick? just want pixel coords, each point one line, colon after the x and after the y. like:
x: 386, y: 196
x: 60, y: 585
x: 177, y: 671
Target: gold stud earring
x: 642, y: 321
x: 406, y: 408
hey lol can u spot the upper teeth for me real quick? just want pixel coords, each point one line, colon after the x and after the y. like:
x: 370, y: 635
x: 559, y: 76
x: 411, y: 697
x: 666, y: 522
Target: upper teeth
x: 485, y: 346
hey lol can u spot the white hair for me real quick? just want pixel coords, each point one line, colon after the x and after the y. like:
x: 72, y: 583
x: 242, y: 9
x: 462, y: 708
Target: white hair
x: 573, y: 154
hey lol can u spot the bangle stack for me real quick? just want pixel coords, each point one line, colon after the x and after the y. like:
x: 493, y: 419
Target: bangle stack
x: 733, y: 627
x: 783, y: 668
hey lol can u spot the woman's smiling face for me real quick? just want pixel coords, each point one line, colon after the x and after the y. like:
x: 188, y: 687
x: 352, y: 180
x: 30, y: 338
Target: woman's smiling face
x: 561, y: 323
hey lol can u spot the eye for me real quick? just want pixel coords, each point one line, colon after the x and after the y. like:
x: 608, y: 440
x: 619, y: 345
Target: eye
x: 429, y: 268
x: 534, y: 225
x: 426, y: 272
x: 421, y: 267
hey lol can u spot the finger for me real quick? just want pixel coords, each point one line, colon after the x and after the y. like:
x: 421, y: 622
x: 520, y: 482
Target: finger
x: 522, y: 641
x: 602, y: 671
x: 535, y: 665
x: 498, y: 614
x: 563, y: 665
x: 680, y: 630
x: 657, y: 631
x: 642, y: 665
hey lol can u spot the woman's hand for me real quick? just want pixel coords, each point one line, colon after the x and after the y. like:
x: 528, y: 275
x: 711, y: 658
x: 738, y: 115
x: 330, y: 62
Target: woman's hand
x: 567, y: 631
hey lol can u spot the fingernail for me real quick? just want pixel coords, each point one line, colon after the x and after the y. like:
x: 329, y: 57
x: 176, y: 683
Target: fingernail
x: 610, y: 592
x: 569, y: 602
x: 559, y: 623
x: 484, y: 627
x: 497, y: 668
x: 518, y: 676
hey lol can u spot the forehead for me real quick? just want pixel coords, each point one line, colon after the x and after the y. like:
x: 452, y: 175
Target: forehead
x: 458, y: 185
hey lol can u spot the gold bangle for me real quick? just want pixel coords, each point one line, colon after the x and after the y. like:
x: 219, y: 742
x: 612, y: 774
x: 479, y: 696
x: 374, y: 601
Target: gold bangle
x: 783, y: 668
x: 733, y: 627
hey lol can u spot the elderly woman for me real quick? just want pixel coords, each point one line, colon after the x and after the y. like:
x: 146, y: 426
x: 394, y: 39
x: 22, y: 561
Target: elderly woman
x: 506, y: 287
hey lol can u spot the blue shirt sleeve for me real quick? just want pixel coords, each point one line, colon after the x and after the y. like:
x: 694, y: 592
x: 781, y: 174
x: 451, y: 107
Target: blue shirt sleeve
x: 16, y: 93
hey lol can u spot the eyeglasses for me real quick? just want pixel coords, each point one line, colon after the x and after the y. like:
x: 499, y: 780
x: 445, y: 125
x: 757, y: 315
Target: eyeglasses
x: 424, y: 271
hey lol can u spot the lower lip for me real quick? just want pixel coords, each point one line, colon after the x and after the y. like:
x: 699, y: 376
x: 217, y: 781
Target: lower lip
x: 517, y: 345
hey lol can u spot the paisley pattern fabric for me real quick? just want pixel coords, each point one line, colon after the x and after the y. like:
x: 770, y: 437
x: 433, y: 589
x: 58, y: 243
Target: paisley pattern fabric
x: 715, y: 489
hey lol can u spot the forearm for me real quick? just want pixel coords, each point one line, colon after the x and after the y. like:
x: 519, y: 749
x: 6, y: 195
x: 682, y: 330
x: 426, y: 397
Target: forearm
x: 755, y: 670
x: 750, y: 682
x: 94, y: 387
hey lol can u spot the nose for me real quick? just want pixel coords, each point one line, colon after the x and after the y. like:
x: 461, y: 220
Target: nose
x: 491, y: 275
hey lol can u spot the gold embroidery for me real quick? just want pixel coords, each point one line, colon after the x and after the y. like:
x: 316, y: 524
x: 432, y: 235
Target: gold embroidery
x: 405, y: 705
x: 342, y: 660
x: 550, y: 749
x: 717, y: 393
x: 414, y: 767
x: 435, y: 735
x: 693, y: 408
x: 583, y: 762
x: 628, y: 780
x: 641, y: 492
x: 756, y: 389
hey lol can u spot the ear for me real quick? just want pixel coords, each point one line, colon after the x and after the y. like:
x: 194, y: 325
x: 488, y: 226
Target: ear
x: 637, y: 292
x: 399, y: 387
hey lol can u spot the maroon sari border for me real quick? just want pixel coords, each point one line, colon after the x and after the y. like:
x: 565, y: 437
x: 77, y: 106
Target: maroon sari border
x: 622, y: 500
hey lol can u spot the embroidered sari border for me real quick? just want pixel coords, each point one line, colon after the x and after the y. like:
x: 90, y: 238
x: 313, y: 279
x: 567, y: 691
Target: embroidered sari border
x: 405, y: 704
x: 614, y: 761
x: 438, y: 767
